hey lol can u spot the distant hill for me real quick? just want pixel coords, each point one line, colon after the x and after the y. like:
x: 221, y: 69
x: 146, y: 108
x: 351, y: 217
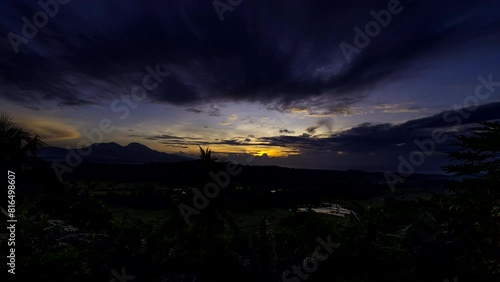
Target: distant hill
x: 351, y: 183
x: 113, y: 153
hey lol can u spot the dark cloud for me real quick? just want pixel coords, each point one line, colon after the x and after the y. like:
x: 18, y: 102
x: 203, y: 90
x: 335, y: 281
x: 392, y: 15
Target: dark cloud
x: 284, y: 130
x: 311, y: 129
x: 378, y: 147
x: 328, y: 123
x: 384, y: 138
x: 284, y: 54
x: 168, y: 137
x: 214, y: 111
x: 174, y: 140
x: 175, y: 146
x: 211, y: 110
x: 194, y: 110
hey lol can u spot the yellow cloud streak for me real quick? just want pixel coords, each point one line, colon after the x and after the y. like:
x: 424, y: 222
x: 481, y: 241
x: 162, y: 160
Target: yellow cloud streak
x: 50, y: 130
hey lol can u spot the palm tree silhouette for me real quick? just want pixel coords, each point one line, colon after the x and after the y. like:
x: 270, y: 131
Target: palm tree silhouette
x: 206, y: 157
x: 212, y: 221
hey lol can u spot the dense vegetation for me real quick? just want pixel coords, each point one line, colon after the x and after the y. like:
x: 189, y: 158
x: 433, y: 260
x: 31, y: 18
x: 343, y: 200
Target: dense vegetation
x: 88, y: 230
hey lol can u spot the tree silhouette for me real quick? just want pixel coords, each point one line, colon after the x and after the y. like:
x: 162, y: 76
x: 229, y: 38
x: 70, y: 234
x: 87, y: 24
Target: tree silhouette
x: 479, y: 154
x: 206, y: 158
x: 475, y: 206
x: 18, y: 148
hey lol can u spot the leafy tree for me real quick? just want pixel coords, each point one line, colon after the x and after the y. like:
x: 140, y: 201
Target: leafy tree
x: 17, y: 147
x: 475, y: 207
x: 479, y: 153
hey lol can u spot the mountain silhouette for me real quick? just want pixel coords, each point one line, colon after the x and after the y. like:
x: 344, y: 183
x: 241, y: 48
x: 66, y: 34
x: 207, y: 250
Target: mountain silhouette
x: 133, y: 153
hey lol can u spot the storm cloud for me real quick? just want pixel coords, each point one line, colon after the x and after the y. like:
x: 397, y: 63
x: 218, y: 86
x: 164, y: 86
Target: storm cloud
x: 283, y: 54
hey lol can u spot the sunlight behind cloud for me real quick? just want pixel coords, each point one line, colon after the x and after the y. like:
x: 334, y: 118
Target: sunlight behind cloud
x: 51, y: 130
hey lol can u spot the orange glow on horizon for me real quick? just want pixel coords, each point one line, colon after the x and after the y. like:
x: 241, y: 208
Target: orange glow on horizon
x: 225, y: 150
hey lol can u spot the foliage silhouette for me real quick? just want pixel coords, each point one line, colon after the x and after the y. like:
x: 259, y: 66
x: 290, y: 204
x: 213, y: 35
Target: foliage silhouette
x: 475, y: 207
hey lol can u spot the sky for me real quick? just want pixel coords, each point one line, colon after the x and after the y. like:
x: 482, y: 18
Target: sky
x: 309, y: 84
